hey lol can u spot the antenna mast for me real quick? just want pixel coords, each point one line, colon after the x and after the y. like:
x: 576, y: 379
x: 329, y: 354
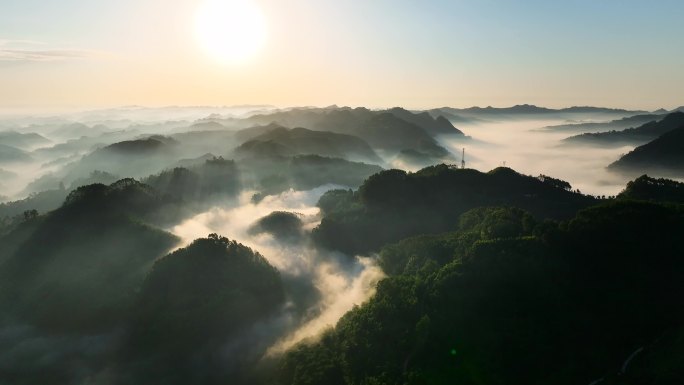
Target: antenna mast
x: 463, y: 159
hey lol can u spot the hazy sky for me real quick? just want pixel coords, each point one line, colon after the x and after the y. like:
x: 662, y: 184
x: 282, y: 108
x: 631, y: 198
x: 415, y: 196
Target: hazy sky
x: 90, y: 53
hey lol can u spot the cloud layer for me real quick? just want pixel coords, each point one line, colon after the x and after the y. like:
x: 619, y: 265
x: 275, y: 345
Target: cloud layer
x: 25, y: 51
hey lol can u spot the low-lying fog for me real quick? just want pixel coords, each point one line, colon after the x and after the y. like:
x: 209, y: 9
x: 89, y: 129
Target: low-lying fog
x: 339, y: 281
x: 332, y: 283
x: 522, y: 146
x: 516, y: 143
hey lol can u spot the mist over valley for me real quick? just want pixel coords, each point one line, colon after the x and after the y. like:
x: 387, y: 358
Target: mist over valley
x: 260, y: 192
x: 102, y: 225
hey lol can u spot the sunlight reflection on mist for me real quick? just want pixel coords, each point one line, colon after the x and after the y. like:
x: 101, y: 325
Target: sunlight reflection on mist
x: 341, y: 281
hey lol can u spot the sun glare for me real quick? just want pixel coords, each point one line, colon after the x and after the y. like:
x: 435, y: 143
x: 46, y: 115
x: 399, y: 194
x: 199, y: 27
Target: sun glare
x: 230, y: 30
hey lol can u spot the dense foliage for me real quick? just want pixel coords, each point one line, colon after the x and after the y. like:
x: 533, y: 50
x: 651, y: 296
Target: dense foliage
x: 393, y: 204
x: 659, y: 190
x: 283, y: 225
x: 215, y: 178
x: 78, y: 267
x: 508, y: 300
x: 482, y: 287
x: 274, y: 175
x: 194, y: 304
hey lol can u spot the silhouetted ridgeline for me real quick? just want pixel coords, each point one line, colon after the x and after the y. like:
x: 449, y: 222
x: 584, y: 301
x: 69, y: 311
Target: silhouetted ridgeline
x: 651, y: 189
x: 664, y: 156
x: 391, y: 130
x: 617, y: 124
x: 638, y: 135
x: 134, y: 158
x: 527, y: 111
x: 394, y: 204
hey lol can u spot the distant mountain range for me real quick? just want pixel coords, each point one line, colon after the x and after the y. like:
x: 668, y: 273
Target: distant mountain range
x: 9, y: 154
x: 135, y: 158
x: 77, y: 130
x: 391, y: 130
x: 23, y: 141
x: 617, y: 124
x: 473, y: 114
x: 638, y: 135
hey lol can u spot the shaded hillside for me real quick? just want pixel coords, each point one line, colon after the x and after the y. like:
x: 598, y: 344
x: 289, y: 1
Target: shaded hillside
x: 196, y: 302
x: 203, y: 183
x: 95, y: 177
x: 415, y: 159
x: 638, y: 135
x: 216, y: 142
x: 394, y: 204
x: 198, y: 161
x: 345, y: 117
x: 617, y: 124
x: 82, y: 145
x: 280, y: 224
x: 652, y: 189
x: 207, y: 126
x: 215, y: 178
x: 133, y: 158
x: 437, y: 125
x: 80, y: 265
x: 9, y: 154
x: 390, y: 133
x: 383, y: 130
x: 43, y: 202
x: 247, y: 134
x: 300, y: 141
x: 77, y: 130
x: 507, y: 300
x: 23, y: 141
x: 663, y: 156
x: 449, y: 114
x: 274, y: 175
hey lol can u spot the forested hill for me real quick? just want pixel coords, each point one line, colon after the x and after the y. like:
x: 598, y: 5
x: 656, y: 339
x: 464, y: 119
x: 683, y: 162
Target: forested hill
x: 394, y: 204
x: 662, y: 156
x: 505, y: 299
x: 652, y: 189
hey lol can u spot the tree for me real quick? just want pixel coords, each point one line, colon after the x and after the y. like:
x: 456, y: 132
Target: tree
x: 30, y: 214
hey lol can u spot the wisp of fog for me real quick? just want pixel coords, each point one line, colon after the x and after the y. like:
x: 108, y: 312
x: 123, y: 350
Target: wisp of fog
x: 339, y: 281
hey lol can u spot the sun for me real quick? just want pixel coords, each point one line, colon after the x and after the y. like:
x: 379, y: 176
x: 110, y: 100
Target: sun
x: 230, y: 30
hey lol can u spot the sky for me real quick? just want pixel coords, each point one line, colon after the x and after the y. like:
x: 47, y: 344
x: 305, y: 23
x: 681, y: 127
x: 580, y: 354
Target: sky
x: 76, y: 54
